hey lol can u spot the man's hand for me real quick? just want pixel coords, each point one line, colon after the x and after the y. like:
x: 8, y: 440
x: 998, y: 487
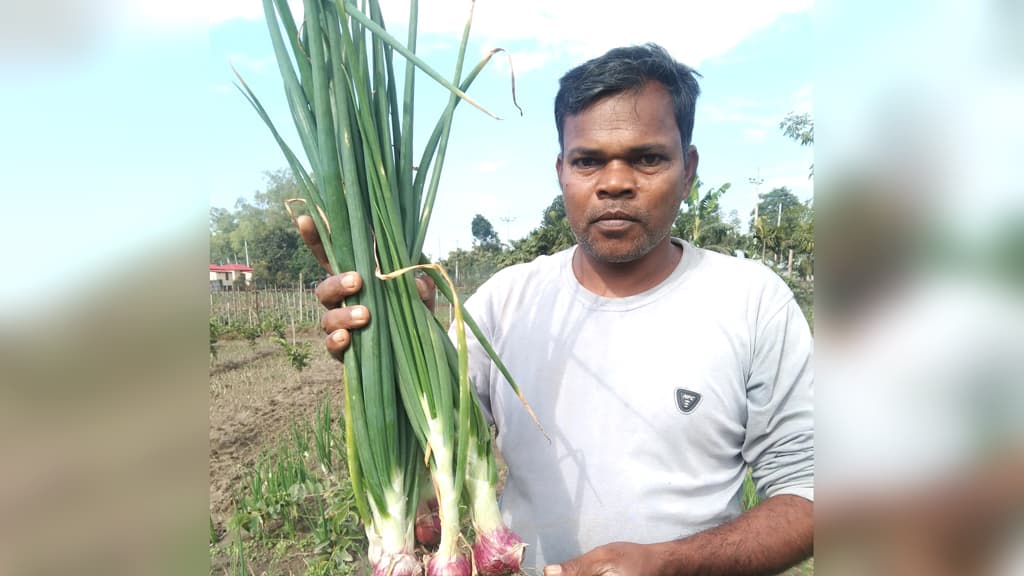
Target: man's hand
x: 331, y: 293
x: 615, y: 559
x: 339, y: 319
x: 307, y: 230
x: 767, y: 539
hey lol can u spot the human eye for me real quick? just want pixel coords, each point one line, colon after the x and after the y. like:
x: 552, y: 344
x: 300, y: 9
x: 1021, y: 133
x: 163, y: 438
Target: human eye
x: 649, y: 160
x: 585, y: 162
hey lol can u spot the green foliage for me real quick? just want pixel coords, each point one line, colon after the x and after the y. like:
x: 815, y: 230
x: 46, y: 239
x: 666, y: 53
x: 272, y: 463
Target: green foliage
x: 471, y: 268
x: 273, y: 325
x: 484, y: 235
x: 803, y: 292
x: 250, y: 333
x: 784, y: 223
x: 239, y: 566
x: 701, y: 223
x: 291, y: 495
x: 215, y: 331
x: 322, y: 439
x: 554, y: 234
x: 799, y: 127
x: 298, y: 353
x: 276, y: 252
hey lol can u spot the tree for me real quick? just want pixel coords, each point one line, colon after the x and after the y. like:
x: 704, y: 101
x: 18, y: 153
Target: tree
x: 701, y: 221
x: 799, y: 127
x: 784, y: 223
x: 484, y: 234
x: 471, y: 268
x: 277, y: 254
x: 778, y: 212
x: 803, y: 241
x: 553, y: 234
x: 222, y: 224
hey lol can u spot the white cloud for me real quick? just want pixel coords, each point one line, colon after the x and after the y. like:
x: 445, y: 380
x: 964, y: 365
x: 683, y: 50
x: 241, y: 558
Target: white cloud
x: 523, y: 62
x: 748, y: 116
x: 189, y: 14
x: 692, y: 31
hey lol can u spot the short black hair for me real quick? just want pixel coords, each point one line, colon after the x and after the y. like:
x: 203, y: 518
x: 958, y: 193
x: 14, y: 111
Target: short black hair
x: 624, y: 69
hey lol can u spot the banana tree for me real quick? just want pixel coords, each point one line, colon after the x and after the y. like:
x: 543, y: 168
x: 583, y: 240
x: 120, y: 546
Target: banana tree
x: 701, y: 223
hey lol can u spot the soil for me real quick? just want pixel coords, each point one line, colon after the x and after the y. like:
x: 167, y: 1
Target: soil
x: 255, y: 396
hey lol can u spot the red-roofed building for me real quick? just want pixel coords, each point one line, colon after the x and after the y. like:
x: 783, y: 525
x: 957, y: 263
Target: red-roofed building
x: 230, y: 276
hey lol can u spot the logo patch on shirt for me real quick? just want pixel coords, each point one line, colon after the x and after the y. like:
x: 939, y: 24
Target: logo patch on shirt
x: 686, y: 400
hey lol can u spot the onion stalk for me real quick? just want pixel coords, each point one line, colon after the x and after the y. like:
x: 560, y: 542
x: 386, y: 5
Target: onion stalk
x: 408, y: 399
x: 497, y: 550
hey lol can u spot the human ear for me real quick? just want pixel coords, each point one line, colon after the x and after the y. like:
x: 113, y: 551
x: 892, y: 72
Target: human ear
x: 690, y: 161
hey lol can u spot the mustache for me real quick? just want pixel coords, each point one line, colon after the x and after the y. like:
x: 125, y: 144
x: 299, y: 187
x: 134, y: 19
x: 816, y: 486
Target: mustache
x: 615, y: 212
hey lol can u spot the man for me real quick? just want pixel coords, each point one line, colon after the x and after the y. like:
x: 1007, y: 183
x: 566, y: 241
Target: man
x: 660, y: 370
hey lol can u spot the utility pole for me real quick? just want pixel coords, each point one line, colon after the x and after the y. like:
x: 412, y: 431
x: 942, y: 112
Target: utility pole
x: 757, y: 181
x: 247, y: 252
x: 507, y: 220
x: 456, y: 262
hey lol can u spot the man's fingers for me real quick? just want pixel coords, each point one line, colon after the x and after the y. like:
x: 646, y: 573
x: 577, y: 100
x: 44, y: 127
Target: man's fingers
x: 309, y: 234
x: 565, y: 569
x: 585, y: 565
x: 345, y: 318
x: 337, y: 342
x: 428, y: 292
x: 338, y: 319
x: 332, y: 292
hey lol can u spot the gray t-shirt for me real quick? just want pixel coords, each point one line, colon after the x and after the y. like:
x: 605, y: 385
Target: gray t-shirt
x: 655, y: 403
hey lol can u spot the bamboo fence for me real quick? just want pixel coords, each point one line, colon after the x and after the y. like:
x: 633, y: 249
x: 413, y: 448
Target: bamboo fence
x: 253, y: 306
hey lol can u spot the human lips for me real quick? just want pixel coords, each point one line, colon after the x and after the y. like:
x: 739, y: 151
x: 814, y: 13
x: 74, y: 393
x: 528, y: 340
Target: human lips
x: 614, y: 216
x: 614, y: 221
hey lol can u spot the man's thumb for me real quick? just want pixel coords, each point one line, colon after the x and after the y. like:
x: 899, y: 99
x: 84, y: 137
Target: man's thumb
x: 569, y: 568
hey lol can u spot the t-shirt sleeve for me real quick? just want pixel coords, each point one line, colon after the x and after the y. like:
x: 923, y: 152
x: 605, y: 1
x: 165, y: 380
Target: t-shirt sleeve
x: 779, y: 442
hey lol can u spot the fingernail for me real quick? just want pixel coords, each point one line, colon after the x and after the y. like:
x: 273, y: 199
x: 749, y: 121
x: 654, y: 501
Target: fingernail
x: 358, y: 313
x: 338, y: 337
x: 553, y: 570
x: 349, y: 281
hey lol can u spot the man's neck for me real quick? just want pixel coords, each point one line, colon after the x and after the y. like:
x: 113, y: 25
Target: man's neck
x: 622, y: 279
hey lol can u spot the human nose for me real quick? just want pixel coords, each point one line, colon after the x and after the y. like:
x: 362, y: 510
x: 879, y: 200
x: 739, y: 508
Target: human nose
x: 617, y: 179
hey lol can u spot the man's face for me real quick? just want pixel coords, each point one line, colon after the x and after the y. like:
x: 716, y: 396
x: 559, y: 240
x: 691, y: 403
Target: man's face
x: 623, y: 173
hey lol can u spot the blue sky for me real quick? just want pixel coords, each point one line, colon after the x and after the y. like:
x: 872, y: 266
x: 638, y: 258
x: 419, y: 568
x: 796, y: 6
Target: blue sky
x: 129, y: 122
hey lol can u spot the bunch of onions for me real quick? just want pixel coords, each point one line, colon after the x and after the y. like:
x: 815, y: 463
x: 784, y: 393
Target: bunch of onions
x: 408, y: 399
